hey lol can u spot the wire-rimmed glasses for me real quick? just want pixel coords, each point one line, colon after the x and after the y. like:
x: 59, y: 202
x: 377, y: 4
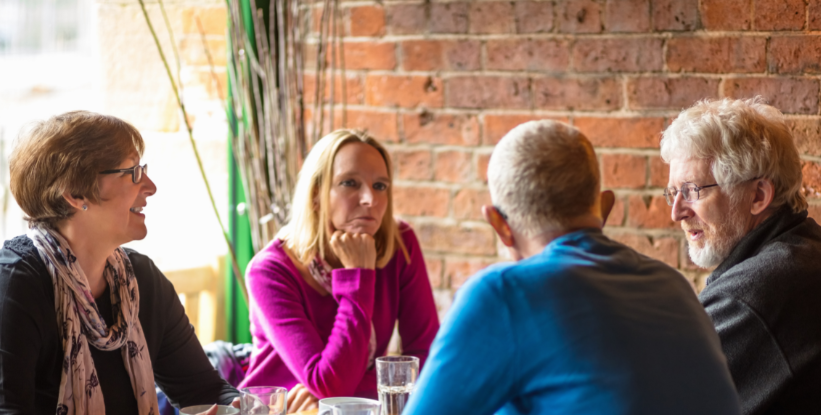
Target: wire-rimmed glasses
x: 689, y: 191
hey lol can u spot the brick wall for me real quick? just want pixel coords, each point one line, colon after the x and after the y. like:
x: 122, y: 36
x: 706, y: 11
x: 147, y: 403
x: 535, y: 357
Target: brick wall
x: 442, y: 82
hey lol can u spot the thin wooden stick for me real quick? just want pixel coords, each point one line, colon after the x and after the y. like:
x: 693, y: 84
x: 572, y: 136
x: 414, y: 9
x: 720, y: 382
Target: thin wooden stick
x: 234, y: 263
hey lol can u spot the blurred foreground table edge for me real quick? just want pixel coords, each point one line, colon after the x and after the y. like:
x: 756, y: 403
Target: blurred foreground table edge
x: 309, y: 412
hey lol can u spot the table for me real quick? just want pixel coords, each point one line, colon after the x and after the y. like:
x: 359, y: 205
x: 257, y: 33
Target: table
x: 309, y: 412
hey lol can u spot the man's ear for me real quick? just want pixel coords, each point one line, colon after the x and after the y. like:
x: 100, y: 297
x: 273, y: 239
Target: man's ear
x: 77, y: 202
x: 764, y: 193
x: 499, y: 224
x: 608, y: 199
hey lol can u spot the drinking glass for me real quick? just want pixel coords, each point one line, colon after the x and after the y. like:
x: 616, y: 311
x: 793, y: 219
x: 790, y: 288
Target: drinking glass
x: 263, y: 400
x: 395, y: 379
x: 356, y: 409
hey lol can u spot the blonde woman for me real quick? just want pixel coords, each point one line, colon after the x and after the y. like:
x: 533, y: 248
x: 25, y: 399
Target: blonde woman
x: 326, y: 294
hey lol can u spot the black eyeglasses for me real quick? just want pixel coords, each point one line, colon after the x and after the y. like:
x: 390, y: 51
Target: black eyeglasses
x: 137, y: 172
x: 689, y: 191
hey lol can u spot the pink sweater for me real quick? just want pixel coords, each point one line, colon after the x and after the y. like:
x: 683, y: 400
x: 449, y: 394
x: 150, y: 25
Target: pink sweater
x: 322, y: 342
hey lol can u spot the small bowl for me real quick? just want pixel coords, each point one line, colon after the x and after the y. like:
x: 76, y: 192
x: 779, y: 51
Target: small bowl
x: 221, y: 410
x: 325, y: 405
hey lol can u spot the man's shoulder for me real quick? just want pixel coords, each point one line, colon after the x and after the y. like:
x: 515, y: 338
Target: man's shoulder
x: 783, y: 269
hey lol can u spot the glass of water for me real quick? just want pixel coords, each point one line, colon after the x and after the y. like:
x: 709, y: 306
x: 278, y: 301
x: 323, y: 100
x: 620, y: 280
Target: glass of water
x: 356, y: 409
x: 263, y: 400
x: 395, y: 379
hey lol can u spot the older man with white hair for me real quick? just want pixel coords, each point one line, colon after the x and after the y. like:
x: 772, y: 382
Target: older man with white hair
x: 580, y: 324
x: 735, y: 186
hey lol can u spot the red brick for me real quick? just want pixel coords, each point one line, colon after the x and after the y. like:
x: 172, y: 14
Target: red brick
x: 794, y: 55
x: 449, y: 129
x: 659, y: 172
x: 716, y: 55
x: 653, y: 213
x: 533, y: 16
x: 213, y: 20
x: 406, y: 19
x: 618, y: 55
x: 779, y: 14
x: 367, y: 21
x: 675, y: 15
x: 627, y: 16
x: 353, y: 89
x: 527, y: 54
x: 581, y: 16
x: 370, y: 55
x: 435, y: 55
x: 467, y: 204
x: 414, y: 164
x: 616, y: 217
x: 807, y: 135
x: 436, y: 237
x: 454, y: 167
x: 403, y: 91
x: 379, y: 124
x: 449, y: 17
x: 434, y: 267
x: 488, y: 92
x: 621, y: 132
x: 623, y: 171
x: 790, y: 95
x: 497, y: 125
x: 458, y: 271
x: 482, y: 160
x: 812, y: 179
x: 669, y: 93
x: 726, y: 14
x: 664, y: 249
x: 490, y: 18
x: 421, y: 201
x: 577, y: 93
x: 193, y: 53
x: 814, y: 15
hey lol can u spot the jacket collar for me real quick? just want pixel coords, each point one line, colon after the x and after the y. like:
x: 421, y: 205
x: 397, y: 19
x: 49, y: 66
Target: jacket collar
x: 781, y: 221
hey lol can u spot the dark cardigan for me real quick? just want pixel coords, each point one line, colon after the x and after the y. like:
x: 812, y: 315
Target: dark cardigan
x: 31, y: 351
x: 765, y: 301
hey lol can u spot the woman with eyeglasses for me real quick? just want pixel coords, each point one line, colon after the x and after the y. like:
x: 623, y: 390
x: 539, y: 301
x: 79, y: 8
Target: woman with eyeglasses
x: 86, y: 326
x: 327, y: 292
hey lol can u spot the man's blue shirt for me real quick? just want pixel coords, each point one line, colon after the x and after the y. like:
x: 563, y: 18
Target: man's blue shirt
x: 587, y: 326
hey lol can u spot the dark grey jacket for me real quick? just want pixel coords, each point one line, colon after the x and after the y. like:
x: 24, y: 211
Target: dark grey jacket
x: 765, y: 301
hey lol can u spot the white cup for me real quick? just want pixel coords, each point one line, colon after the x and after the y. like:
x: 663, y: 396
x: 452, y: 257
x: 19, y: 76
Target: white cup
x: 325, y: 405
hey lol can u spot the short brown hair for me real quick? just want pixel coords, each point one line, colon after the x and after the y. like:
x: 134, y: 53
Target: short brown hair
x: 66, y: 153
x: 542, y: 174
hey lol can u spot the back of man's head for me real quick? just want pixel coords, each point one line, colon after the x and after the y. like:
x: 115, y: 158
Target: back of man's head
x: 542, y: 174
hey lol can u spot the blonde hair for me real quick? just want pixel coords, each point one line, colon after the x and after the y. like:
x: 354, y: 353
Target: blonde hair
x: 65, y: 153
x: 541, y: 174
x: 307, y: 232
x: 744, y: 140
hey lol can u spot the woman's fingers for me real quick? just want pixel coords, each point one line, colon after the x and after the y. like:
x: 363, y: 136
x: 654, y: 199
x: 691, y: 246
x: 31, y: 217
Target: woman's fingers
x: 297, y: 397
x: 354, y: 250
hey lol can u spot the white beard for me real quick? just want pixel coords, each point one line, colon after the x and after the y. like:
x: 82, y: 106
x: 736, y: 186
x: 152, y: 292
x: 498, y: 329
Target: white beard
x: 722, y: 241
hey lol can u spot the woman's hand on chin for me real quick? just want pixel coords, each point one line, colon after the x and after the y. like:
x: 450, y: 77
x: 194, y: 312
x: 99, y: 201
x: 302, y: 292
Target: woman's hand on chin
x: 354, y: 250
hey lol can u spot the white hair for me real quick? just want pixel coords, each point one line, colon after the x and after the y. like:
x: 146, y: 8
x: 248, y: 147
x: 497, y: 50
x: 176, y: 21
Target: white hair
x: 744, y: 140
x: 541, y: 174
